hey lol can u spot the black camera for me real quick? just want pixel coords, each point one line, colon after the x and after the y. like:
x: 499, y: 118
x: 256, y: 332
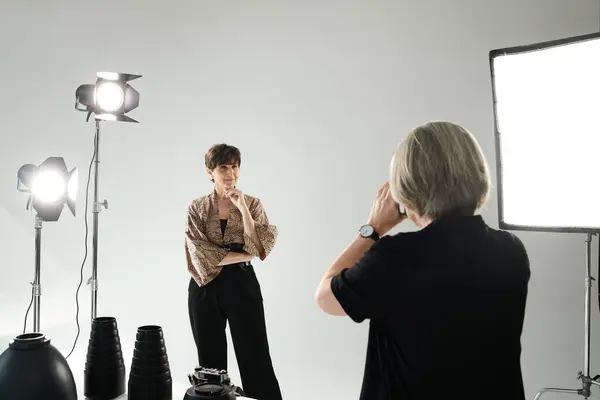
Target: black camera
x: 402, y: 210
x: 210, y: 383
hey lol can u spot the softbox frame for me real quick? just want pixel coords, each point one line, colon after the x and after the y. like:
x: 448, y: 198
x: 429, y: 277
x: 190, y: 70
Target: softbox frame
x: 578, y: 183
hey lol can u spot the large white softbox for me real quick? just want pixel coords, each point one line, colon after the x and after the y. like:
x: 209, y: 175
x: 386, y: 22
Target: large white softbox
x: 547, y: 122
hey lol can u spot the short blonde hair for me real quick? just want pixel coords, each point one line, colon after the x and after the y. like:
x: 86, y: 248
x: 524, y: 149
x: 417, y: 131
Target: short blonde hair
x: 439, y: 169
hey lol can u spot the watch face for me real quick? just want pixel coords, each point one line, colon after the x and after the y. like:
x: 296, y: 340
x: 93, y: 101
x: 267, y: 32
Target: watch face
x: 366, y: 230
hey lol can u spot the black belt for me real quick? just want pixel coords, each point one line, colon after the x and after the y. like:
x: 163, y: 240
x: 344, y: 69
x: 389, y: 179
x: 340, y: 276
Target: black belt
x: 242, y: 265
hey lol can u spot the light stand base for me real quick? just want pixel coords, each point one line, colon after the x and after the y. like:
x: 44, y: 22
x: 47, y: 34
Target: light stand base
x: 586, y: 380
x: 585, y: 391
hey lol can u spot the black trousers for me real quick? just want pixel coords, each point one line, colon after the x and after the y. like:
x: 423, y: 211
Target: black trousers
x: 234, y: 296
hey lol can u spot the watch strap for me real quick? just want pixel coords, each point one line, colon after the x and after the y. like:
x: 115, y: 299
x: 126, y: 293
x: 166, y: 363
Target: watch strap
x: 375, y: 236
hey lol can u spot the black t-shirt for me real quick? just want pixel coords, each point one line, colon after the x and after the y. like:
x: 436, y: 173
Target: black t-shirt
x: 446, y: 306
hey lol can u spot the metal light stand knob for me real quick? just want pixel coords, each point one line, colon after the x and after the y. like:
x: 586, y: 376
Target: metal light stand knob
x: 101, y: 205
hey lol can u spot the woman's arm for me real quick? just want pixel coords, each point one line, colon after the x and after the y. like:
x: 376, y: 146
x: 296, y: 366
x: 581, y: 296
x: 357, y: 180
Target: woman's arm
x: 259, y: 235
x: 233, y: 257
x: 250, y: 231
x: 202, y: 255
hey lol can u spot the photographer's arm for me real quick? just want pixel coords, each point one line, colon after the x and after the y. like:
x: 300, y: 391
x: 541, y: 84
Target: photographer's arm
x: 349, y: 257
x: 352, y: 286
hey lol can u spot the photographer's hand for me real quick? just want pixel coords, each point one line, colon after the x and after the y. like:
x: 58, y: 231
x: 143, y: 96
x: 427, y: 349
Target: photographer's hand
x: 385, y: 212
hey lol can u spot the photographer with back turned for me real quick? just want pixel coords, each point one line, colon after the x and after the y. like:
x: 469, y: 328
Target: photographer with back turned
x: 446, y: 303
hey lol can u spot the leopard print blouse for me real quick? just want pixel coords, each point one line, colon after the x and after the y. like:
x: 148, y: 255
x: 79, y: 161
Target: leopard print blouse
x: 204, y: 239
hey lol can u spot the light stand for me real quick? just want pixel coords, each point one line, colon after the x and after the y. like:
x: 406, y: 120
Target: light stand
x: 96, y: 208
x: 50, y: 186
x: 36, y: 286
x: 586, y: 380
x: 109, y: 100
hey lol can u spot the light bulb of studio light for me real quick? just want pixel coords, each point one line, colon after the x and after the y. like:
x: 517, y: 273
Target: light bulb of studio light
x: 48, y: 186
x: 109, y: 96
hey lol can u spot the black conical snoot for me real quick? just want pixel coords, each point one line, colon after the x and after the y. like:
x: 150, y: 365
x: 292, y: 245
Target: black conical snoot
x: 104, y: 375
x: 150, y: 375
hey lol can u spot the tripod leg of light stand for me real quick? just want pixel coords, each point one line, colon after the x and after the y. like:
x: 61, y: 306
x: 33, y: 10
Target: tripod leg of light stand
x: 555, y: 390
x: 37, y: 291
x: 586, y: 380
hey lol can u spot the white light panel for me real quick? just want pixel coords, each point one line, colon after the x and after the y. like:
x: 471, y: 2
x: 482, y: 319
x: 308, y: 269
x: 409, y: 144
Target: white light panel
x: 547, y: 115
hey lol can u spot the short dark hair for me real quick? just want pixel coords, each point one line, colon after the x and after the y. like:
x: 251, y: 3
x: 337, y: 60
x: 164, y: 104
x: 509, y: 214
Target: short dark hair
x: 222, y: 154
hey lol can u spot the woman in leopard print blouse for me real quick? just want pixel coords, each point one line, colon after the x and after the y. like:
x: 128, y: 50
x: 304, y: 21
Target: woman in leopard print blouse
x: 225, y: 231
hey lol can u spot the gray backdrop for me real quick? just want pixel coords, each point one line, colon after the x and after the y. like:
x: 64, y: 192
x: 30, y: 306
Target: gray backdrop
x: 316, y: 94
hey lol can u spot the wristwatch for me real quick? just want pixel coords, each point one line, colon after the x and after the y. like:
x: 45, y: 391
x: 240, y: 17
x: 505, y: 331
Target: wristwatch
x: 368, y: 232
